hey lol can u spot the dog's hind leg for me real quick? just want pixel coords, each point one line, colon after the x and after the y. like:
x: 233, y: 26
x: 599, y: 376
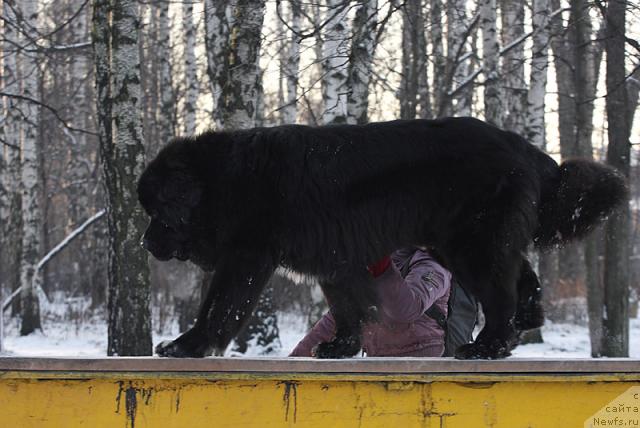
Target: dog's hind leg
x: 498, y: 297
x: 352, y: 303
x: 529, y: 312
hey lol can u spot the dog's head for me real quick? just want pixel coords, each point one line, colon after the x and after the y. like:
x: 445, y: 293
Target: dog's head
x: 172, y: 192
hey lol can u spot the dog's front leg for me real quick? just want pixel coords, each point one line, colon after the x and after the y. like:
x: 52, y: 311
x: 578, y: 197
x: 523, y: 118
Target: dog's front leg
x: 353, y: 303
x: 239, y: 278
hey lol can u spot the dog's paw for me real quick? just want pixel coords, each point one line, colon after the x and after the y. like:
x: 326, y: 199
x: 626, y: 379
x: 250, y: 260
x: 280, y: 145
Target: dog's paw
x: 483, y: 351
x: 338, y: 348
x: 177, y: 349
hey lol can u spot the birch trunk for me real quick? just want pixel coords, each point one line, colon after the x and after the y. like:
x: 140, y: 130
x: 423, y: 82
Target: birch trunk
x: 571, y: 262
x: 241, y: 90
x: 335, y: 53
x: 512, y: 76
x: 118, y: 84
x: 616, y: 263
x: 11, y: 221
x: 412, y: 31
x: 81, y: 168
x: 190, y: 66
x: 535, y: 124
x: 291, y: 65
x: 457, y: 65
x: 584, y: 77
x: 165, y: 115
x: 32, y: 220
x: 437, y: 52
x: 218, y: 20
x: 361, y: 61
x: 490, y: 54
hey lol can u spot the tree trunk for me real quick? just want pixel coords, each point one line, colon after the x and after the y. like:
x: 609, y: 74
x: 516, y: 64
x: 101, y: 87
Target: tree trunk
x: 291, y: 65
x: 241, y: 90
x: 493, y: 111
x: 535, y: 124
x: 361, y: 61
x: 32, y: 220
x: 217, y: 20
x: 11, y: 216
x: 335, y: 52
x: 165, y: 115
x: 457, y: 66
x: 437, y: 53
x: 190, y: 69
x: 512, y: 76
x: 120, y: 128
x: 571, y: 265
x: 584, y: 77
x: 240, y: 105
x: 412, y: 31
x: 616, y: 265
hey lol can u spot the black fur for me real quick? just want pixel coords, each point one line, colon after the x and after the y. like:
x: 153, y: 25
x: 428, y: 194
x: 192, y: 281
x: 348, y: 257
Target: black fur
x: 328, y: 201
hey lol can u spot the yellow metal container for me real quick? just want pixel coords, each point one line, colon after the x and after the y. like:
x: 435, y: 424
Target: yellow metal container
x: 371, y: 392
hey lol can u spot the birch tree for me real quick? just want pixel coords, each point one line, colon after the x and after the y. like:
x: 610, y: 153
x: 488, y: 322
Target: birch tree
x: 440, y: 96
x: 535, y: 123
x: 490, y: 56
x: 218, y: 20
x: 458, y: 59
x: 291, y: 65
x: 412, y: 63
x: 335, y: 54
x: 165, y: 115
x: 238, y: 108
x: 31, y: 177
x: 616, y: 263
x: 190, y: 68
x: 512, y: 75
x: 10, y: 124
x: 361, y: 61
x: 118, y: 104
x: 240, y: 92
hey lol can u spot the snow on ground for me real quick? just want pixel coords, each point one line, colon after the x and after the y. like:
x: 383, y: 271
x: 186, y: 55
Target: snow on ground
x: 89, y: 339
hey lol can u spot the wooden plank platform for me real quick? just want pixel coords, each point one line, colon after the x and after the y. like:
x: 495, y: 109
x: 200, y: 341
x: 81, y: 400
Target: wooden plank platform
x: 302, y: 392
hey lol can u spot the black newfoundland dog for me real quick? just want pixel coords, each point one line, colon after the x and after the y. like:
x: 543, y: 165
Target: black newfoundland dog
x: 328, y: 201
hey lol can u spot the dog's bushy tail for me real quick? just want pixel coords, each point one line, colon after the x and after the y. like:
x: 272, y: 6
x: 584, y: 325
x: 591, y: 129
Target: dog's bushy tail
x: 583, y: 195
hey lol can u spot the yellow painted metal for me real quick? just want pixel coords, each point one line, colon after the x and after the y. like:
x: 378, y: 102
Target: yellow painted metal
x: 191, y: 399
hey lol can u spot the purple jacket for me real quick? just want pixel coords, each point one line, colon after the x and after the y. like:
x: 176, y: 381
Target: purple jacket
x: 403, y: 328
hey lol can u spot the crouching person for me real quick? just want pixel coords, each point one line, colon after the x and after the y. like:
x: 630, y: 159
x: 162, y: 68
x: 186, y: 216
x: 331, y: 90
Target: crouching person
x: 413, y: 291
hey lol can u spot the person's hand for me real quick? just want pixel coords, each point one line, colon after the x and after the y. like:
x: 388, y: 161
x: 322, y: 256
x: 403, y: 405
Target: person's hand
x: 379, y: 267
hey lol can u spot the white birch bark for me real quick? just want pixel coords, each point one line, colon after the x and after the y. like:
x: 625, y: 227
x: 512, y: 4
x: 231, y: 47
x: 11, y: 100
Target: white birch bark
x: 361, y: 61
x: 10, y: 124
x: 31, y: 184
x: 512, y: 76
x: 190, y: 66
x: 240, y: 94
x: 129, y: 321
x: 165, y: 114
x: 458, y: 64
x: 335, y: 52
x: 218, y: 19
x: 535, y: 123
x: 437, y: 53
x: 412, y: 31
x: 490, y: 60
x: 291, y: 65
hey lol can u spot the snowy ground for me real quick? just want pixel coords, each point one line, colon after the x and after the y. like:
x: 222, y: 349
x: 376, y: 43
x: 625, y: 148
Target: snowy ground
x: 89, y: 339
